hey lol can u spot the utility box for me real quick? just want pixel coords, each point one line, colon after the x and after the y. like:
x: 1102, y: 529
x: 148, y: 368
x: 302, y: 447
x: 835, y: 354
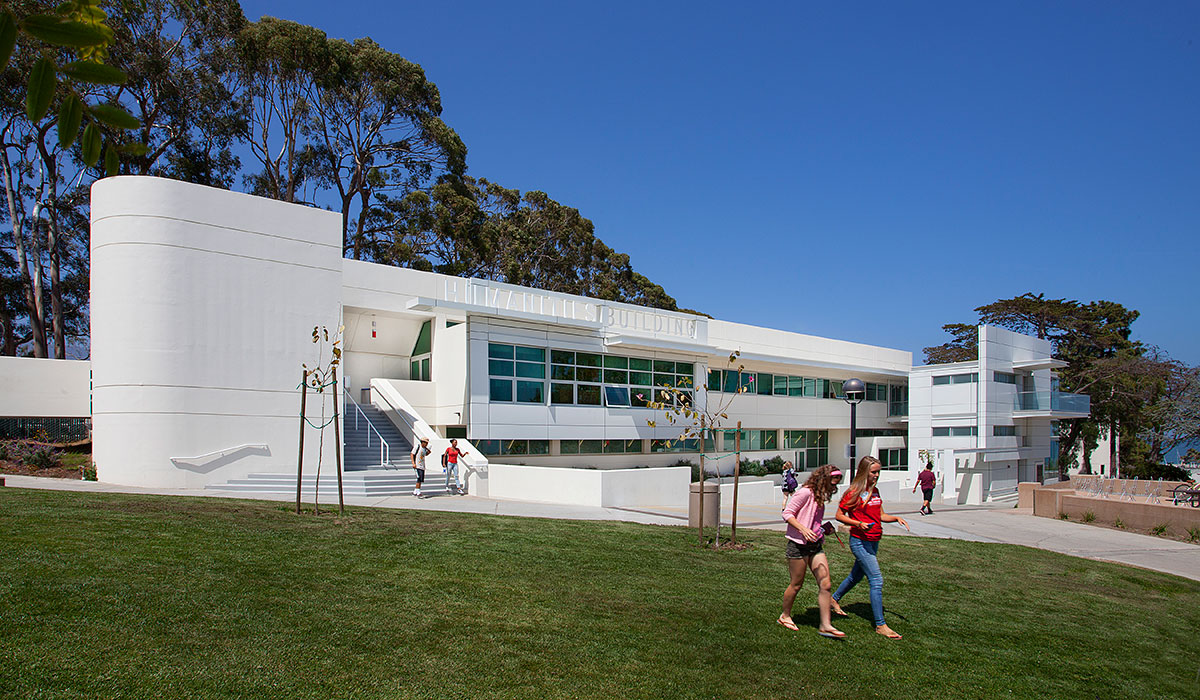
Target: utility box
x: 712, y: 504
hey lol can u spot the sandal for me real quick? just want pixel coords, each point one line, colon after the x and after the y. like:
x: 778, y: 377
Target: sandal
x: 832, y: 633
x: 787, y: 622
x: 836, y: 609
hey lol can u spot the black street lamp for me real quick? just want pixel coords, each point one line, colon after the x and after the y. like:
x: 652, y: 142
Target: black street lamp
x: 853, y: 393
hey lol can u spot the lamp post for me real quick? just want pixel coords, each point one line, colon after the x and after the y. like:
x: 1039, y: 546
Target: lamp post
x: 853, y: 393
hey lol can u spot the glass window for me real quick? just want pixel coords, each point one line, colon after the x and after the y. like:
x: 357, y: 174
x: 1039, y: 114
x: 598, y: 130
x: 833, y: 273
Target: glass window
x: 633, y: 446
x: 768, y: 439
x: 562, y: 393
x: 425, y: 369
x: 587, y: 374
x: 616, y: 362
x: 616, y: 396
x: 414, y: 370
x: 568, y: 447
x: 939, y: 381
x: 587, y: 359
x: 591, y: 447
x: 1004, y: 430
x: 691, y: 445
x: 614, y: 447
x: 488, y: 447
x: 531, y: 354
x: 664, y: 380
x: 794, y: 439
x: 810, y: 387
x: 664, y: 366
x: 587, y: 395
x: 500, y: 368
x: 539, y: 447
x: 1005, y: 377
x: 531, y: 370
x: 640, y: 395
x: 562, y: 357
x: 641, y: 378
x: 501, y: 390
x: 781, y: 386
x: 504, y: 352
x: 531, y: 392
x: 616, y: 376
x: 684, y: 368
x: 562, y: 372
x: 515, y: 447
x: 641, y: 364
x: 941, y: 432
x: 424, y: 344
x: 714, y: 380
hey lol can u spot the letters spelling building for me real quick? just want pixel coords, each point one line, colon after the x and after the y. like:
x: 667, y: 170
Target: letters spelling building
x: 203, y: 304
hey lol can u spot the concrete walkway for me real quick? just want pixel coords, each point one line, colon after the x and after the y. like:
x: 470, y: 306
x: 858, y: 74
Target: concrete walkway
x: 979, y: 523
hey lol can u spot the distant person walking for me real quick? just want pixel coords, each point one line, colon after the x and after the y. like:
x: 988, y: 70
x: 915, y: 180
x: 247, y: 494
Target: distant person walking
x: 450, y: 461
x: 419, y: 453
x: 804, y: 514
x: 789, y: 482
x: 927, y: 481
x: 861, y: 510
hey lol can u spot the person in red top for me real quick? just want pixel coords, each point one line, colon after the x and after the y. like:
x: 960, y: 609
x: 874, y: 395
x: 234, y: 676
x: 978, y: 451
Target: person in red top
x: 450, y: 461
x: 926, y: 480
x: 861, y: 510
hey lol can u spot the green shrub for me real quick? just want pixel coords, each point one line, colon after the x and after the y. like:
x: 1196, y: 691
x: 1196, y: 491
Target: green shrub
x: 774, y: 465
x: 1089, y: 517
x: 1119, y: 523
x: 43, y: 458
x: 1193, y: 534
x: 753, y: 468
x: 1063, y: 516
x: 4, y: 449
x: 1160, y: 529
x: 89, y: 472
x: 1170, y: 472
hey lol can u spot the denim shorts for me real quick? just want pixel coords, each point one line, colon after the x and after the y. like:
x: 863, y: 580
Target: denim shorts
x: 795, y: 550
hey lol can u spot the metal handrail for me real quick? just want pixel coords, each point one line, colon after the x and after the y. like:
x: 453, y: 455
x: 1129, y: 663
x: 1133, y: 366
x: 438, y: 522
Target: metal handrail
x: 385, y: 450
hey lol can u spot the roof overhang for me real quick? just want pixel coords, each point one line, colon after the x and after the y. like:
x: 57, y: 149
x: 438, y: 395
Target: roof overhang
x: 1040, y: 363
x: 801, y: 362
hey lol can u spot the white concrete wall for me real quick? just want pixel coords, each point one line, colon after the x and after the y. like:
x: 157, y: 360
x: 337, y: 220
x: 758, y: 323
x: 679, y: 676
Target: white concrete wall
x: 203, y: 302
x: 42, y: 388
x: 590, y: 487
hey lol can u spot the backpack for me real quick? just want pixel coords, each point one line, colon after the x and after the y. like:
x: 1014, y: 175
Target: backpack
x: 789, y: 481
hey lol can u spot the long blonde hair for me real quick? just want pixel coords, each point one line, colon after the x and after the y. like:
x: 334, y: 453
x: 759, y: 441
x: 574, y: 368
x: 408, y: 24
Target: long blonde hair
x: 821, y: 483
x: 861, y: 474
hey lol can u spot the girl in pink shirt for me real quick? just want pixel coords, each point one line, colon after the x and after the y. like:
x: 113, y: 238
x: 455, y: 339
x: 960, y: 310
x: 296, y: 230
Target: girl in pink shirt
x: 804, y: 514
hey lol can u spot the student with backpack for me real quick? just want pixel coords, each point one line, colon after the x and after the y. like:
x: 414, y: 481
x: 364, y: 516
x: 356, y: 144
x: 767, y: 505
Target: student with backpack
x: 419, y: 453
x: 789, y: 482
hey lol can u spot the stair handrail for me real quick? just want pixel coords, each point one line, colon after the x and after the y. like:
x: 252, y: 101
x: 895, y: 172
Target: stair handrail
x: 385, y: 450
x: 418, y: 428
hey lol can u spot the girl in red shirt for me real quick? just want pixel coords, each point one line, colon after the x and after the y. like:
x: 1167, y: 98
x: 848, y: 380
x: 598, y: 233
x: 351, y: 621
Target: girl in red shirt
x: 861, y: 510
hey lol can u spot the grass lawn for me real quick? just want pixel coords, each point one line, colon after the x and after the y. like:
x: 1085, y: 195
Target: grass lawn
x: 106, y: 595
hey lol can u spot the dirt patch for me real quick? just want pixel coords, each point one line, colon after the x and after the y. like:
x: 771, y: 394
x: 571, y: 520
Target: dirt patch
x: 20, y: 469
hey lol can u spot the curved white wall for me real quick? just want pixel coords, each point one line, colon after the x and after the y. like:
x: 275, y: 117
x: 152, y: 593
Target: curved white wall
x: 202, y: 306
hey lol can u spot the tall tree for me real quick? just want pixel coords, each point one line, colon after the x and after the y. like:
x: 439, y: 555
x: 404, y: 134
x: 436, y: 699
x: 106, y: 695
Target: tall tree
x: 963, y: 346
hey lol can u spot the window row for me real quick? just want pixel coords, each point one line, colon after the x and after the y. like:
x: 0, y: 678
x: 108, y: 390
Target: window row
x: 894, y: 458
x: 815, y: 442
x: 580, y: 378
x: 965, y: 378
x: 963, y: 431
x: 1004, y: 430
x: 1005, y: 377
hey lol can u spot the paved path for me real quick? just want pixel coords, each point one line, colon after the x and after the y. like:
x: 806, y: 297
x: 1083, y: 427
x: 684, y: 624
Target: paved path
x: 978, y: 523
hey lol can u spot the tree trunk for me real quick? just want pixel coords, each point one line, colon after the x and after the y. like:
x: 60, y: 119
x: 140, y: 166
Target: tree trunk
x: 31, y: 291
x: 50, y: 162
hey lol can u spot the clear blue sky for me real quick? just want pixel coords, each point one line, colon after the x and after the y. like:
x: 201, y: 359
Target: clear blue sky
x: 864, y: 171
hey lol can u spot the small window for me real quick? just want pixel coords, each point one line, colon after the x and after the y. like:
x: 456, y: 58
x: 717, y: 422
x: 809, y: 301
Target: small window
x: 588, y: 395
x: 664, y: 380
x: 641, y: 364
x: 562, y: 393
x: 941, y: 380
x: 539, y: 447
x: 764, y: 383
x: 616, y: 396
x: 531, y: 370
x: 682, y: 368
x: 504, y: 352
x: 587, y: 359
x: 500, y: 368
x: 591, y: 447
x: 501, y: 390
x: 531, y: 392
x: 1004, y: 430
x: 587, y: 374
x: 614, y: 447
x: 641, y: 378
x: 1005, y: 377
x: 714, y: 380
x: 633, y: 446
x: 562, y: 372
x: 616, y: 376
x: 664, y: 366
x: 531, y: 354
x: 615, y: 362
x: 568, y: 447
x: 562, y: 357
x: 941, y: 432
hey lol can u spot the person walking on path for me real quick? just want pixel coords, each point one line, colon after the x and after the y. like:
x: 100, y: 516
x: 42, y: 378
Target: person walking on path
x: 419, y: 453
x: 789, y: 483
x: 805, y: 535
x: 450, y: 459
x: 861, y: 510
x: 926, y: 480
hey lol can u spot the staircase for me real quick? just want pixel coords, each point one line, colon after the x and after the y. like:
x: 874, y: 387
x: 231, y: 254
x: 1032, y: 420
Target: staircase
x: 364, y: 474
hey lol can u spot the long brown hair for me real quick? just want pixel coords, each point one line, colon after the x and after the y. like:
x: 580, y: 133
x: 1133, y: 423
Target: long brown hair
x: 821, y: 483
x: 861, y: 474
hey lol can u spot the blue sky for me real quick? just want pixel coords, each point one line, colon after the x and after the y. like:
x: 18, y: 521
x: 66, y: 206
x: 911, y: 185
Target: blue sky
x: 864, y: 171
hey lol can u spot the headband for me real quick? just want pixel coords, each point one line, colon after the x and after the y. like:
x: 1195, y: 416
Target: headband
x: 835, y: 472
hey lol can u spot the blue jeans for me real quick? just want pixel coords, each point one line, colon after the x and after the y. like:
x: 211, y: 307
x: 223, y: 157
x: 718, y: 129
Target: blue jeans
x: 452, y: 473
x: 865, y: 562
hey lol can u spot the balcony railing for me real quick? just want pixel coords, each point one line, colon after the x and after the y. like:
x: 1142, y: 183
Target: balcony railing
x: 1053, y: 401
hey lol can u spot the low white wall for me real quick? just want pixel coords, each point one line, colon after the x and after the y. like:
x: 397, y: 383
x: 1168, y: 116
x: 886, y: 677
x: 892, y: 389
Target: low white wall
x: 752, y: 493
x: 41, y: 388
x: 590, y: 487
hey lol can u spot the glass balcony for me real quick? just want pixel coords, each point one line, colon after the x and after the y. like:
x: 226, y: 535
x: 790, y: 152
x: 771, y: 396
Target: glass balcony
x: 897, y: 408
x: 1054, y: 401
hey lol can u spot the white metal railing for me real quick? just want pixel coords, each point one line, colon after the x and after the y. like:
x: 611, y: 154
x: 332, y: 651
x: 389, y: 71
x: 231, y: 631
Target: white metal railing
x: 385, y: 450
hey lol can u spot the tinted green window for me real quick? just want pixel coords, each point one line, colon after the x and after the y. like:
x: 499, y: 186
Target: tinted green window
x: 424, y: 339
x: 562, y: 393
x: 562, y: 357
x: 531, y: 392
x: 501, y: 351
x: 539, y: 447
x: 616, y: 376
x: 769, y: 440
x: 562, y: 372
x: 532, y: 370
x: 640, y: 363
x: 639, y: 395
x: 488, y: 447
x: 641, y: 378
x: 664, y: 380
x: 587, y: 359
x: 796, y: 386
x: 939, y: 381
x: 810, y: 387
x: 795, y: 439
x: 591, y: 447
x: 633, y: 446
x: 414, y: 370
x: 781, y: 386
x: 587, y: 374
x: 664, y: 366
x: 616, y: 396
x: 501, y: 390
x: 684, y: 368
x: 764, y: 383
x: 569, y: 447
x: 614, y: 447
x: 730, y: 385
x: 515, y: 447
x: 587, y: 395
x: 714, y: 380
x: 615, y: 362
x: 531, y: 354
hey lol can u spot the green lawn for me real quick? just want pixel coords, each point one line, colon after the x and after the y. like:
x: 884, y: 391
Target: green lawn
x: 128, y: 596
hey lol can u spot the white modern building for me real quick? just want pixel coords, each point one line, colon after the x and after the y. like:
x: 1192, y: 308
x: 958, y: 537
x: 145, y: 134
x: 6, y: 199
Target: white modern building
x: 203, y: 304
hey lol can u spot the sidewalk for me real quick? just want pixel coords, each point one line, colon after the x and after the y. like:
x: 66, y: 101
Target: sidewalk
x: 978, y: 523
